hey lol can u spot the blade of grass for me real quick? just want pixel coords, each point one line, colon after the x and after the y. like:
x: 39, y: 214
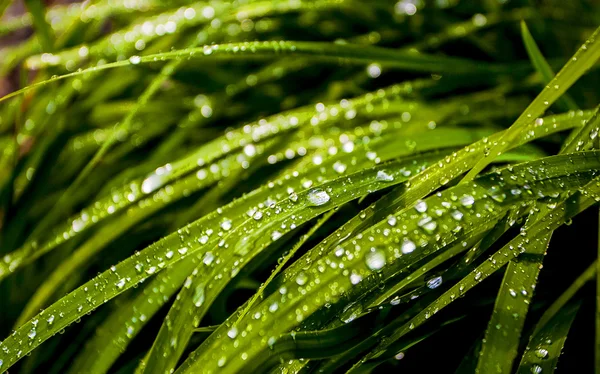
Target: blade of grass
x: 585, y: 57
x: 543, y: 68
x: 317, y: 51
x: 514, y: 248
x: 43, y: 30
x: 544, y: 349
x: 355, y: 276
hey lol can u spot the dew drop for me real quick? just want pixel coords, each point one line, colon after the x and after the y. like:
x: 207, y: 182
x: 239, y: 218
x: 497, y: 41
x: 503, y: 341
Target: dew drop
x: 226, y: 225
x: 135, y: 60
x: 434, y: 282
x: 301, y: 279
x: 456, y: 214
x: 408, y: 246
x: 541, y: 352
x: 382, y: 176
x: 536, y: 369
x: 375, y: 259
x: 317, y: 197
x: 232, y: 333
x: 421, y: 207
x: 467, y: 201
x: 355, y: 278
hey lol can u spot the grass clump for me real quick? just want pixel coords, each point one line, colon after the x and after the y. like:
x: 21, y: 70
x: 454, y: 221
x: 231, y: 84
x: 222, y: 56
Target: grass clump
x: 299, y: 186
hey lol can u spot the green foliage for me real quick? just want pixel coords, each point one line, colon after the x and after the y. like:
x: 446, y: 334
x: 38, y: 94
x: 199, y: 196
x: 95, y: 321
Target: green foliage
x: 299, y: 186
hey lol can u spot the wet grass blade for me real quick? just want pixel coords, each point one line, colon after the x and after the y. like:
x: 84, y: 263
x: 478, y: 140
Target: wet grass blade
x: 543, y: 68
x: 360, y: 263
x: 514, y: 248
x: 317, y: 51
x: 544, y: 349
x: 579, y: 64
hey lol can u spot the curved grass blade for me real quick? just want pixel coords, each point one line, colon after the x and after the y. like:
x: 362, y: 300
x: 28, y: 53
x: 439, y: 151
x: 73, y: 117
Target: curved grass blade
x: 543, y: 351
x: 514, y: 248
x: 189, y: 184
x: 43, y: 31
x: 541, y: 66
x: 502, y: 337
x: 162, y: 359
x: 585, y: 57
x: 359, y: 272
x: 178, y: 246
x: 317, y: 51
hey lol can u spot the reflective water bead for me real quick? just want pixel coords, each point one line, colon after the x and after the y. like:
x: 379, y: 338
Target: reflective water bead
x: 375, y: 259
x: 317, y: 197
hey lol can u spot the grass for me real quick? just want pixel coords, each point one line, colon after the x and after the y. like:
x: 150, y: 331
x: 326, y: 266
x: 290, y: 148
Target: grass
x: 300, y: 186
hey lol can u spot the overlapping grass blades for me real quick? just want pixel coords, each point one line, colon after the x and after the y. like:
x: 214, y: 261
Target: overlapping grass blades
x: 293, y: 186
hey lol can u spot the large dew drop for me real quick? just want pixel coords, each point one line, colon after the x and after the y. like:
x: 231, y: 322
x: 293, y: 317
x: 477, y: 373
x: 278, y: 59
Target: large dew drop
x: 375, y: 259
x: 317, y: 197
x: 408, y: 246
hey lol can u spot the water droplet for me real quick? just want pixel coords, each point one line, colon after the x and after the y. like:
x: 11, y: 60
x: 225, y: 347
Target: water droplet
x: 257, y: 215
x: 427, y: 224
x: 408, y: 246
x: 375, y: 259
x: 222, y: 361
x: 467, y: 201
x: 382, y: 176
x: 275, y: 235
x: 536, y: 369
x: 121, y: 283
x: 456, y: 214
x: 32, y: 333
x: 317, y: 197
x: 355, y: 278
x: 301, y: 279
x: 339, y: 167
x: 198, y: 298
x: 421, y: 207
x: 226, y: 225
x: 434, y: 282
x: 135, y: 60
x: 392, y: 221
x: 208, y: 258
x: 541, y: 352
x: 232, y: 333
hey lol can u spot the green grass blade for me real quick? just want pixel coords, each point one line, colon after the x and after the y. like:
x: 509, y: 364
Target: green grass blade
x: 544, y: 349
x: 355, y: 271
x: 503, y: 334
x: 542, y: 67
x: 513, y: 249
x: 43, y: 30
x: 316, y: 51
x: 579, y: 64
x: 170, y: 250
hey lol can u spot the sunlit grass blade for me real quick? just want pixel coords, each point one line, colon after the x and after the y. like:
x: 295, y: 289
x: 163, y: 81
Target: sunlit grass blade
x: 514, y: 248
x: 584, y: 59
x: 317, y: 51
x: 362, y: 264
x: 542, y: 67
